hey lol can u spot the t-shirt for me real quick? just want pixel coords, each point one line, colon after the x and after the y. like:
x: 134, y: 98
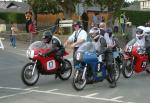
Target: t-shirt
x: 80, y: 34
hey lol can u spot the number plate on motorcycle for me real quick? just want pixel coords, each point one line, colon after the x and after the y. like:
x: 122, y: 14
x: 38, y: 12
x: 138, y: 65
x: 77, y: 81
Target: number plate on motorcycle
x: 51, y: 65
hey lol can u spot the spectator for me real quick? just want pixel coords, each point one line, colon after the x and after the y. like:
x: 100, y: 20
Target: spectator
x: 78, y: 37
x: 123, y: 22
x: 85, y: 20
x: 95, y: 20
x: 116, y: 25
x: 14, y: 33
x: 30, y: 26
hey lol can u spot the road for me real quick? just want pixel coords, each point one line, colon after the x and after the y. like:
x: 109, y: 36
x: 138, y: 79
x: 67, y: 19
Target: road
x: 48, y: 90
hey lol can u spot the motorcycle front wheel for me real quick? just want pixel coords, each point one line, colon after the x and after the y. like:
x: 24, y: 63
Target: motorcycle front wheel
x: 26, y: 74
x: 112, y: 76
x: 127, y: 68
x: 78, y: 83
x: 65, y: 70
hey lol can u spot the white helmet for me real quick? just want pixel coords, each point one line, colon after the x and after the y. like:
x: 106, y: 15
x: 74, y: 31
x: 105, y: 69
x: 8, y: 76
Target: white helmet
x: 140, y: 31
x: 94, y: 32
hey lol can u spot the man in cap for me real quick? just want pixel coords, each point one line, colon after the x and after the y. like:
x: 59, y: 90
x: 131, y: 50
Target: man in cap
x: 78, y: 37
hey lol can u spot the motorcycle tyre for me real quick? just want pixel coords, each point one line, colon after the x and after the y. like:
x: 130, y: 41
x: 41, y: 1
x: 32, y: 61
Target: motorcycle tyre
x: 25, y: 80
x: 124, y: 70
x: 110, y: 78
x: 67, y: 62
x: 78, y: 75
x: 117, y: 70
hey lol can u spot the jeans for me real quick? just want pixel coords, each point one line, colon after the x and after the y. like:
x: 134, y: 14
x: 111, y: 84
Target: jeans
x: 13, y: 40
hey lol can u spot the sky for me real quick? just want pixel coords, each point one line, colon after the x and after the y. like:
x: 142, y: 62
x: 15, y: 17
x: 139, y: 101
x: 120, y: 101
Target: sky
x: 129, y: 0
x: 12, y: 0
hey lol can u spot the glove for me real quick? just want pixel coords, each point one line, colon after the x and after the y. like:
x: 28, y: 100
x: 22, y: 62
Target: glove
x: 43, y: 55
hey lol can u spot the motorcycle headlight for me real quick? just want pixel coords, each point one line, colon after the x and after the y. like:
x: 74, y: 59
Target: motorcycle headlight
x: 30, y: 53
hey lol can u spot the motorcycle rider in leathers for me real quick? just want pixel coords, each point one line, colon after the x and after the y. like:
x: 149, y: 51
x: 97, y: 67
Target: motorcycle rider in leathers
x: 142, y: 38
x: 55, y: 46
x: 101, y: 48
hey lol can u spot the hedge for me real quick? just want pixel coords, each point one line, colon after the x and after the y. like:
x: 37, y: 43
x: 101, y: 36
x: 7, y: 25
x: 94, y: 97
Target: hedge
x: 138, y: 17
x: 10, y: 17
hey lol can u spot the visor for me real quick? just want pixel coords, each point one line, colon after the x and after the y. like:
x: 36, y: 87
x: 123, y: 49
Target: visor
x: 139, y: 32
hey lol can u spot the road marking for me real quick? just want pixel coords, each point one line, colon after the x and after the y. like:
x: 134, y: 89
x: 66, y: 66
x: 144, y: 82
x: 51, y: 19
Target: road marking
x: 2, y: 97
x: 90, y: 95
x: 63, y: 94
x: 117, y: 98
x: 52, y: 90
x: 31, y: 88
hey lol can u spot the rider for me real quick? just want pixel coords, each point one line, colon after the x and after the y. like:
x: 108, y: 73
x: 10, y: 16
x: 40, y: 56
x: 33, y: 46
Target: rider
x: 101, y: 47
x: 55, y: 44
x: 99, y: 42
x: 142, y: 38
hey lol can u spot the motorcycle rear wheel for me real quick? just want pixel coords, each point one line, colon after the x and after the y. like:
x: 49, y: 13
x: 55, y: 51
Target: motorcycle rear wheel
x: 78, y: 83
x: 66, y: 70
x: 127, y: 69
x: 26, y: 75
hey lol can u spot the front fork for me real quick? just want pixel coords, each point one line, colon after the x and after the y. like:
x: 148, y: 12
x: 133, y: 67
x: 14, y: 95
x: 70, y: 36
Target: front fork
x: 84, y: 71
x: 34, y: 67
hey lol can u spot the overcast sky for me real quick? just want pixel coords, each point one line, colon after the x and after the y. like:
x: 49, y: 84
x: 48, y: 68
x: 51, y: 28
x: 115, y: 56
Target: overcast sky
x: 129, y: 0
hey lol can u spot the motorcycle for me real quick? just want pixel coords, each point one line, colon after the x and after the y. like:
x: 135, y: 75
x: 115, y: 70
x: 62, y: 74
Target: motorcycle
x: 44, y: 65
x: 89, y: 68
x: 135, y: 60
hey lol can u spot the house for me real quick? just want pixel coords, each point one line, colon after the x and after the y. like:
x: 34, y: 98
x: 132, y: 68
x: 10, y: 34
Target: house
x: 139, y: 5
x: 13, y: 6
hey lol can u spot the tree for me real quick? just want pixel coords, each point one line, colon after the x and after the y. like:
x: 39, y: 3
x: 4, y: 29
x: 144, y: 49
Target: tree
x: 44, y: 7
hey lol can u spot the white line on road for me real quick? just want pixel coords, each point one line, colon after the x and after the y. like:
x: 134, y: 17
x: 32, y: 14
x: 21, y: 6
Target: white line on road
x: 117, y: 98
x: 52, y: 90
x: 90, y: 95
x: 63, y: 94
x: 31, y: 88
x: 2, y: 97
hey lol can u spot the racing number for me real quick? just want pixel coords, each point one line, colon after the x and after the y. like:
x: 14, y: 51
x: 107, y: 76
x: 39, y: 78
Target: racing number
x: 51, y: 65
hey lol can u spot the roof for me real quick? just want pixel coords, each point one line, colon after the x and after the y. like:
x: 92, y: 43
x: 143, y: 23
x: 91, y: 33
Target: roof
x: 13, y: 6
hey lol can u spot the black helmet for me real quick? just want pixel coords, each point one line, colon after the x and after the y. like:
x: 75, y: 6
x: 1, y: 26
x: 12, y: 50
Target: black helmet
x: 109, y: 31
x: 47, y: 36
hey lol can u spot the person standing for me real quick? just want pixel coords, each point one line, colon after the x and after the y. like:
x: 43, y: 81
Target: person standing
x: 123, y: 22
x: 30, y: 26
x: 85, y: 21
x: 116, y: 25
x: 78, y: 37
x: 95, y: 20
x: 13, y: 33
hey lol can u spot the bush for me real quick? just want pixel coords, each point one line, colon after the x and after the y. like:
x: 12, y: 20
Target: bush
x: 10, y: 17
x: 138, y: 17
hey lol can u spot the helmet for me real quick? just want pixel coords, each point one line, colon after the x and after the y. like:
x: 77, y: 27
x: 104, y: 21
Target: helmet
x: 47, y: 36
x: 94, y: 32
x: 109, y: 31
x: 140, y: 31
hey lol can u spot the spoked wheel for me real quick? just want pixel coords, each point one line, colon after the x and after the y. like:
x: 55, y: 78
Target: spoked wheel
x: 66, y: 70
x: 78, y: 83
x: 27, y: 77
x: 127, y: 69
x: 148, y: 68
x: 117, y: 71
